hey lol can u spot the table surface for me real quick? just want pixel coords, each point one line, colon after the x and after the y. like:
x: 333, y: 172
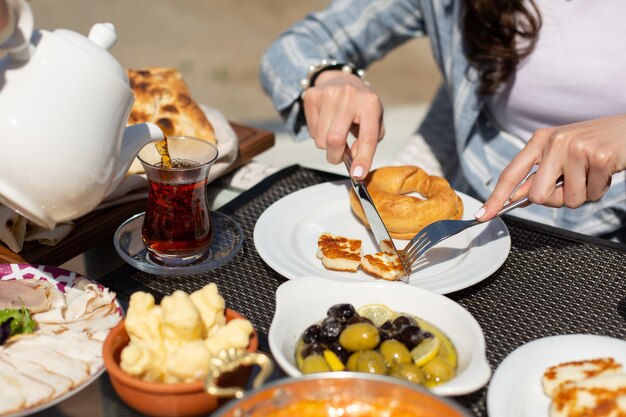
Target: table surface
x: 550, y: 284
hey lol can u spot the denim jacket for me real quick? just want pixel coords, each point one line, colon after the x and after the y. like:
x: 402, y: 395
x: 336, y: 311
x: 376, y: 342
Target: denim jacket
x: 363, y: 31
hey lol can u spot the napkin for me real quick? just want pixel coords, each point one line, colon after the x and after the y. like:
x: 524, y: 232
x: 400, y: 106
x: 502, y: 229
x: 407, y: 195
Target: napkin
x: 16, y: 229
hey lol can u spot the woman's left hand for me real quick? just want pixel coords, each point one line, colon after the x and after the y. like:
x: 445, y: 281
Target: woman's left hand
x: 586, y: 154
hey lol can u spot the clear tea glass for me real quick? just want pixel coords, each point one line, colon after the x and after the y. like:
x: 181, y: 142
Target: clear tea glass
x: 177, y: 225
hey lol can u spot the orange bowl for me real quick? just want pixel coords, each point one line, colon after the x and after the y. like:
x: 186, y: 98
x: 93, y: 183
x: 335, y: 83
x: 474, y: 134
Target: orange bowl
x: 331, y: 393
x: 159, y: 399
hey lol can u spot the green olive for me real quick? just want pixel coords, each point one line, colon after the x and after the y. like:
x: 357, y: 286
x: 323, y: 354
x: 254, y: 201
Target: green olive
x: 371, y: 362
x: 438, y: 370
x: 313, y: 364
x: 408, y: 371
x: 395, y: 352
x: 351, y: 365
x: 299, y: 360
x: 359, y: 336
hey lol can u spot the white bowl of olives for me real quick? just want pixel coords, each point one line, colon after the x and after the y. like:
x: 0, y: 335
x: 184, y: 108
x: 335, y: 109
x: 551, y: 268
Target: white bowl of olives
x: 387, y: 328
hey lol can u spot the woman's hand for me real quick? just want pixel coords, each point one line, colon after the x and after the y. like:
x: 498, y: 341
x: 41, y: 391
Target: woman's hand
x: 586, y: 154
x: 340, y: 103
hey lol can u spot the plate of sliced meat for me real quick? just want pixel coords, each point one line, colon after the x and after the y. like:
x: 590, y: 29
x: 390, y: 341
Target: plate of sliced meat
x: 52, y: 326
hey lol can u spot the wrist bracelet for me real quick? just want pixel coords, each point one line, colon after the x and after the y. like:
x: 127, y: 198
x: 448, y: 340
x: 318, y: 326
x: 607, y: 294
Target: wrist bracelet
x: 327, y: 65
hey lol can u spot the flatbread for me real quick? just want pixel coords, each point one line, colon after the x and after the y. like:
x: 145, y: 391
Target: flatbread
x: 162, y: 98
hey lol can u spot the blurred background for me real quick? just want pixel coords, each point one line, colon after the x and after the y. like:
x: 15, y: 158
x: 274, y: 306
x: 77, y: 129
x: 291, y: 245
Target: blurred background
x: 217, y: 46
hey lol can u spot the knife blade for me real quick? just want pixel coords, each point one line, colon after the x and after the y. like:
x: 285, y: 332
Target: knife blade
x: 377, y: 226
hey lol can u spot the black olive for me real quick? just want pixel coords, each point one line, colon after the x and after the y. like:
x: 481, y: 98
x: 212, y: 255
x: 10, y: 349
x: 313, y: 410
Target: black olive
x: 5, y: 330
x: 400, y: 322
x: 386, y: 326
x: 342, y: 312
x: 411, y: 336
x: 359, y: 319
x: 385, y: 331
x: 311, y: 349
x: 428, y: 335
x: 312, y: 334
x: 342, y: 353
x: 384, y: 334
x: 330, y: 330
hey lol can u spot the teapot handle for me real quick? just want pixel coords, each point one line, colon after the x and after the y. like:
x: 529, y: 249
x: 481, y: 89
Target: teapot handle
x: 20, y: 25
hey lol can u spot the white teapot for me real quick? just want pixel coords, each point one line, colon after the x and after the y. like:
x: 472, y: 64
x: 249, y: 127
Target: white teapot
x: 64, y: 106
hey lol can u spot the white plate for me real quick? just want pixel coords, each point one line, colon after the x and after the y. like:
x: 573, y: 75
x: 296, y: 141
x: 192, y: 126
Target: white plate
x: 515, y: 389
x: 286, y: 235
x: 63, y: 279
x: 311, y: 299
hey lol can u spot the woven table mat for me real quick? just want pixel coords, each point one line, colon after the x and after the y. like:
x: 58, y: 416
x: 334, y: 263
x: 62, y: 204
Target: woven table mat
x: 553, y: 282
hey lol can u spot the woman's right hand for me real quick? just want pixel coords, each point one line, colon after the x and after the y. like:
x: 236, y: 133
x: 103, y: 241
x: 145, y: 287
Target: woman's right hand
x: 338, y: 104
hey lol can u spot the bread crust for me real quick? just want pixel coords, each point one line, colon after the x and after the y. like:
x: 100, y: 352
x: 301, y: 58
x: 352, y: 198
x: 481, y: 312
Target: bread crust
x: 163, y: 98
x: 405, y: 215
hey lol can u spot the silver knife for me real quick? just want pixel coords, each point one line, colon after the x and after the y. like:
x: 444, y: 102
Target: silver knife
x: 377, y: 226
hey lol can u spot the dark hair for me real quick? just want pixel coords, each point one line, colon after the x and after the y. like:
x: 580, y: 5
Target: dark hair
x: 498, y: 35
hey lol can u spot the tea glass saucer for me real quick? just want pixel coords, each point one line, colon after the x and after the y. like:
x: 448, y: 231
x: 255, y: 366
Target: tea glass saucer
x: 226, y: 242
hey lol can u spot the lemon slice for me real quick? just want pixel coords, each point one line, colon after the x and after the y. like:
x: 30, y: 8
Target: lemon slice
x: 446, y: 350
x: 333, y: 361
x: 377, y: 313
x: 426, y: 351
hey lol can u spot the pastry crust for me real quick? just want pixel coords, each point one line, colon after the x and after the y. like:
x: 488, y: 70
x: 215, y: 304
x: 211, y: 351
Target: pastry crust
x: 405, y: 215
x: 163, y: 98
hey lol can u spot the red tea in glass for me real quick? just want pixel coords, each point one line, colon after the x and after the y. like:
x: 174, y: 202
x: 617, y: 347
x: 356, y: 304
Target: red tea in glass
x: 177, y: 223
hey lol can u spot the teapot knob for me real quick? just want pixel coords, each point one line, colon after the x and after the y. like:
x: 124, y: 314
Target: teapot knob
x: 103, y: 35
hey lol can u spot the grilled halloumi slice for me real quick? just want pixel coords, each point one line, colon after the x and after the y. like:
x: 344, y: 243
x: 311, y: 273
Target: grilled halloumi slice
x: 339, y: 253
x: 384, y: 264
x: 574, y: 371
x: 601, y: 395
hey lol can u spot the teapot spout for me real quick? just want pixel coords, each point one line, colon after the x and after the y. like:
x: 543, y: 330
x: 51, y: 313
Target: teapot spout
x: 135, y: 137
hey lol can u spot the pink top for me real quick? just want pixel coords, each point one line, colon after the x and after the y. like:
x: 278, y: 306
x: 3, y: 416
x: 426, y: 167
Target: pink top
x: 576, y: 72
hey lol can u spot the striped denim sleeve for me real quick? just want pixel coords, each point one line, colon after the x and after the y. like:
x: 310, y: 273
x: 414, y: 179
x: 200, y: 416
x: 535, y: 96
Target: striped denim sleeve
x: 356, y: 31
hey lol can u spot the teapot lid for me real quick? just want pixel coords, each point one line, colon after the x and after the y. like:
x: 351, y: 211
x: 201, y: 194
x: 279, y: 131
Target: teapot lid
x: 102, y: 37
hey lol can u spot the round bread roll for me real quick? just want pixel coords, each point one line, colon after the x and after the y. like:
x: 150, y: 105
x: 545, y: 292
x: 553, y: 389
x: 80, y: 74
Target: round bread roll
x: 405, y: 215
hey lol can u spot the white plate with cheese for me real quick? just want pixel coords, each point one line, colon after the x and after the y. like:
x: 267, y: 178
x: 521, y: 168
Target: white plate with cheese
x: 286, y: 236
x: 516, y: 387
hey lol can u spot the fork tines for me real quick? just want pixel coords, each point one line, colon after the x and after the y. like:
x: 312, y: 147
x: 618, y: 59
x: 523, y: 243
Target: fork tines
x: 418, y: 245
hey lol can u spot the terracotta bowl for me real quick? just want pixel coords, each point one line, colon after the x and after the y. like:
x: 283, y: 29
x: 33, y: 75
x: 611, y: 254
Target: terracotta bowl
x: 158, y: 399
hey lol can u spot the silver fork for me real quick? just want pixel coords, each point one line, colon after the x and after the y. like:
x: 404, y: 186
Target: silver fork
x: 443, y: 229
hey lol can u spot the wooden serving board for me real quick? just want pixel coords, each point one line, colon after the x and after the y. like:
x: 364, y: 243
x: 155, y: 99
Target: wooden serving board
x: 99, y: 226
